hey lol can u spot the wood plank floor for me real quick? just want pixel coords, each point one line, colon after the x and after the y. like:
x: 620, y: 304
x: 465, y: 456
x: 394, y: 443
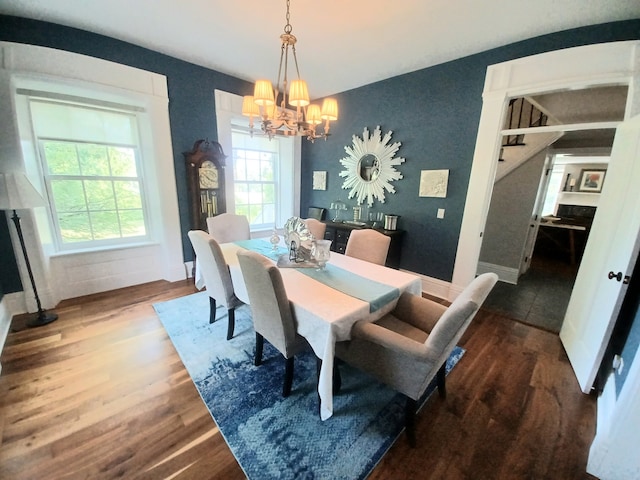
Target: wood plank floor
x: 101, y: 393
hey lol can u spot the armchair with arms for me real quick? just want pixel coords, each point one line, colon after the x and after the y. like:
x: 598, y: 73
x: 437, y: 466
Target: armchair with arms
x: 409, y: 347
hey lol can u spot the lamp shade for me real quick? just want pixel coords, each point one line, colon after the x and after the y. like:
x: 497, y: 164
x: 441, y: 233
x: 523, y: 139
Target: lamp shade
x: 313, y: 114
x: 17, y: 192
x: 298, y: 93
x: 263, y: 93
x: 330, y: 109
x: 249, y: 106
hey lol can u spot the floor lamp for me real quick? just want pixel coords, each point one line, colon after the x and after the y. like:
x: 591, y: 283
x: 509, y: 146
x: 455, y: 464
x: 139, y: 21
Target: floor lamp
x: 16, y: 192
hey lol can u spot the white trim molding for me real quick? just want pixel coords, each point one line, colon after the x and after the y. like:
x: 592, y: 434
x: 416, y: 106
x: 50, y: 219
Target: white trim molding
x: 571, y: 68
x: 59, y: 276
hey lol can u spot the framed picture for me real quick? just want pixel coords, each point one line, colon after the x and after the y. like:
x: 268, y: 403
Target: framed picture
x: 433, y: 183
x: 319, y: 180
x: 591, y: 180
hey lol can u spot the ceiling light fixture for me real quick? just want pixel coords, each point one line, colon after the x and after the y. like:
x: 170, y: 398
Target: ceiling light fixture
x: 270, y: 104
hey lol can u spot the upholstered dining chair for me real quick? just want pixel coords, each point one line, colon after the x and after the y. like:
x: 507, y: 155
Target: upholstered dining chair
x: 369, y: 245
x: 316, y: 227
x: 228, y: 227
x: 409, y: 347
x: 217, y: 279
x: 316, y: 212
x: 272, y: 315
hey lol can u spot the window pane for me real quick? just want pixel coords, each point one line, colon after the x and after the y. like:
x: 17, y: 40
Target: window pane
x: 253, y: 170
x: 255, y: 214
x: 68, y: 195
x: 267, y: 171
x: 242, y: 210
x: 123, y: 162
x: 61, y: 158
x: 132, y: 223
x: 93, y: 160
x: 255, y: 194
x: 269, y: 213
x: 105, y: 225
x: 268, y: 193
x: 74, y: 227
x: 240, y: 167
x: 242, y: 193
x: 100, y: 195
x: 128, y: 194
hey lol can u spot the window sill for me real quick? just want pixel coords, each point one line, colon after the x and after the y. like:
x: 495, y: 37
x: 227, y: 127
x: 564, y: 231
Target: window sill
x: 64, y: 253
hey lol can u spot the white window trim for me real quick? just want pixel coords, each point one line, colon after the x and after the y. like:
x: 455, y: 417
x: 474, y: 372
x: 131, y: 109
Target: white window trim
x: 228, y: 113
x: 70, y: 275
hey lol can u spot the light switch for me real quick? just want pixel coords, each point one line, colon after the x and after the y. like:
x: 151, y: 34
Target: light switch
x: 440, y: 213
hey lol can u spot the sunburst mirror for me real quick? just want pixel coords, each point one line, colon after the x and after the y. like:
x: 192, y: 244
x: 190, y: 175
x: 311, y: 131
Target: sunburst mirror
x: 370, y: 166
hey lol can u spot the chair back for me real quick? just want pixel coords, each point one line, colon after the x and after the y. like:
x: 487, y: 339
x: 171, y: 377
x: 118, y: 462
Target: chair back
x: 228, y: 227
x: 369, y: 245
x: 213, y: 268
x: 316, y: 227
x: 316, y: 212
x: 272, y: 316
x: 454, y: 321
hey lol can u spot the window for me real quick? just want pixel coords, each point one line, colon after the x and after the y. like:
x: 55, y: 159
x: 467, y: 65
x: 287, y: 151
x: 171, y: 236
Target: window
x: 91, y: 168
x: 233, y: 135
x: 255, y: 173
x: 553, y: 190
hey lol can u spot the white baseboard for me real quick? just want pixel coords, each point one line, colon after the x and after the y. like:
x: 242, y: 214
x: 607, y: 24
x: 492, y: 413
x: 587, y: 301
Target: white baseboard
x: 437, y: 288
x: 505, y: 274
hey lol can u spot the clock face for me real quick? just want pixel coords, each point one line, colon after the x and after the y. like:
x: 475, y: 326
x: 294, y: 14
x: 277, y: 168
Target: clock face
x: 208, y: 175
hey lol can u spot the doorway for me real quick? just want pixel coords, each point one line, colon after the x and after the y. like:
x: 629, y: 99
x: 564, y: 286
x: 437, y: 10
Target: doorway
x: 553, y: 238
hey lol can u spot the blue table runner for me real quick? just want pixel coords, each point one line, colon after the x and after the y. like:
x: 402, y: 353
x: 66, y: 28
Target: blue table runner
x: 375, y: 293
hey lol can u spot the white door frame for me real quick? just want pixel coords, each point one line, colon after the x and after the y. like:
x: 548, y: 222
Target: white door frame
x: 602, y: 64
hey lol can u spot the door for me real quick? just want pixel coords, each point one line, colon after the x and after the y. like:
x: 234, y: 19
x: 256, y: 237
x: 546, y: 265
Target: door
x: 611, y: 250
x: 532, y: 232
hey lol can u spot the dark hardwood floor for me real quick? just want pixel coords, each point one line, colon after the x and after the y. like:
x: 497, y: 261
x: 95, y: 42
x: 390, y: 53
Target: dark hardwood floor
x: 101, y: 393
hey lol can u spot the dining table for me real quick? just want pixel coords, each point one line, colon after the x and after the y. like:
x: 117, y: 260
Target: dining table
x: 327, y: 302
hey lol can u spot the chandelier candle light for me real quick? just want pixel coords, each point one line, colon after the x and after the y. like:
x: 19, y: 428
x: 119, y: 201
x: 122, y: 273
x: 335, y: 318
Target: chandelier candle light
x: 270, y: 105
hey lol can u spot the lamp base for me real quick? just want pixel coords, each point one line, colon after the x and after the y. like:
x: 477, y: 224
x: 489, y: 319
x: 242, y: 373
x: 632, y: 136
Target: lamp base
x: 43, y: 318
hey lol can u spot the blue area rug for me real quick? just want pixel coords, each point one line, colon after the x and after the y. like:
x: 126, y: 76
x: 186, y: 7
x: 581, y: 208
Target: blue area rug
x: 274, y: 437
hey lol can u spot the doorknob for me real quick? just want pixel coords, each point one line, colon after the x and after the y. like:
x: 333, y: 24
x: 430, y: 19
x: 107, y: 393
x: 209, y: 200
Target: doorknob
x: 617, y: 276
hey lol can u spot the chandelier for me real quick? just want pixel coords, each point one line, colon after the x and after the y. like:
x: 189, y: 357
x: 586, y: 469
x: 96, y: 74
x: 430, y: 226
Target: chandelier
x: 269, y: 104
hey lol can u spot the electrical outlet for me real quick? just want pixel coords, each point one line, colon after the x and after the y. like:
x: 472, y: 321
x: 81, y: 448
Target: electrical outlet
x: 440, y: 213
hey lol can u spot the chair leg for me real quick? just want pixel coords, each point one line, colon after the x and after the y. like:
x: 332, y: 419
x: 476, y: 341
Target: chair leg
x: 232, y: 323
x: 410, y: 419
x: 259, y: 346
x: 212, y: 309
x: 288, y: 377
x: 440, y: 379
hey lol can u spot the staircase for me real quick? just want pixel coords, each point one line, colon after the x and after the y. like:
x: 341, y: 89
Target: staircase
x: 521, y: 114
x: 517, y: 149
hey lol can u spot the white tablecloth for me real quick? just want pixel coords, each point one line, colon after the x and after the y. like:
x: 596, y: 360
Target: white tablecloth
x: 325, y: 316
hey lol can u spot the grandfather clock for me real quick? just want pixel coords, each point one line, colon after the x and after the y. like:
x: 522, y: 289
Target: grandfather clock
x: 205, y: 174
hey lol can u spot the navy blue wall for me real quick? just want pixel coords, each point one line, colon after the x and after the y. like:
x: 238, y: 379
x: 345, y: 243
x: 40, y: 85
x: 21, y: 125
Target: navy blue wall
x: 9, y: 274
x: 434, y: 113
x: 192, y: 110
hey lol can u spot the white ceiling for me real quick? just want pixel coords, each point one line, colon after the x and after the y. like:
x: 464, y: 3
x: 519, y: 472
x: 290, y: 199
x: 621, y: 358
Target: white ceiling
x: 342, y: 44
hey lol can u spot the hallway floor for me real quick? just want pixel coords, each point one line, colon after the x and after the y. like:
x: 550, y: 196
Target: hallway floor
x: 541, y: 296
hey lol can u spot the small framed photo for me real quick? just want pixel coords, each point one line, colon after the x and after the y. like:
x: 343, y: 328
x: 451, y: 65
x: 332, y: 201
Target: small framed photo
x: 433, y: 183
x: 591, y: 180
x: 319, y: 180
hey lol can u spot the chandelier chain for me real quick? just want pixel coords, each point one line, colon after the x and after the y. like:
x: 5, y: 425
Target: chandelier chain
x: 288, y: 27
